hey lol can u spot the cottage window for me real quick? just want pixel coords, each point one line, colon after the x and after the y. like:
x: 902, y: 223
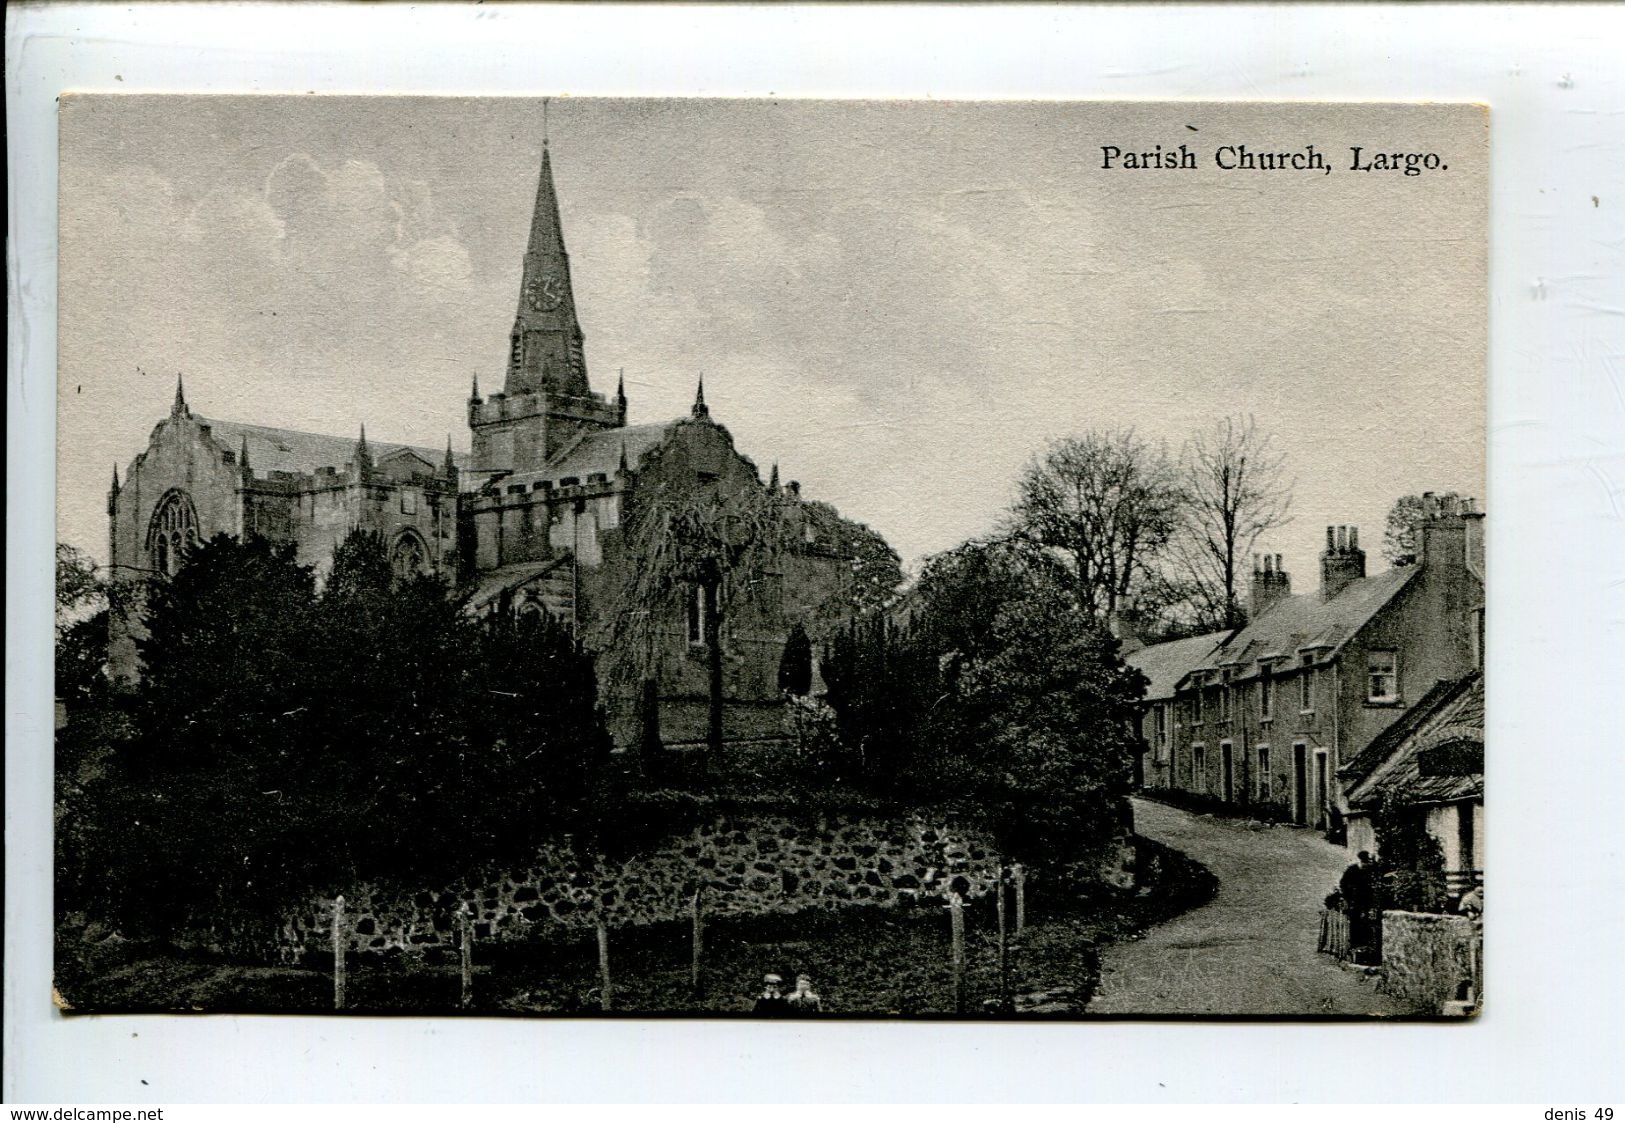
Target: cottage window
x: 1263, y: 772
x: 1196, y: 714
x: 1266, y: 694
x: 1199, y: 769
x: 1162, y: 726
x: 1306, y: 690
x: 1224, y: 703
x: 1382, y: 675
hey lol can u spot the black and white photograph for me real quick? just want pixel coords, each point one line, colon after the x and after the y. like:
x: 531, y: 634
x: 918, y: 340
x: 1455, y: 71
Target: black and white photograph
x: 771, y: 558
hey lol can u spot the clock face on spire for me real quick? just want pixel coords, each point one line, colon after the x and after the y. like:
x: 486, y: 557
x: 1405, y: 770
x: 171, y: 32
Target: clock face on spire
x: 544, y: 293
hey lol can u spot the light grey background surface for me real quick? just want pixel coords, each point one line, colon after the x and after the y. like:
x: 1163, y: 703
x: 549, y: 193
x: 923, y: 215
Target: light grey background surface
x: 1557, y: 477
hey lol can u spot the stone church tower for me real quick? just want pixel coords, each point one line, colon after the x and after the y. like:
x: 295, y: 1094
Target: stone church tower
x: 545, y: 402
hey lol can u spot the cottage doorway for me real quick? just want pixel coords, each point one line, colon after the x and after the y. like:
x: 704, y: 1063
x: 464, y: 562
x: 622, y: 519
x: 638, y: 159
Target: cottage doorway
x: 1322, y: 795
x: 1227, y: 762
x: 1300, y: 785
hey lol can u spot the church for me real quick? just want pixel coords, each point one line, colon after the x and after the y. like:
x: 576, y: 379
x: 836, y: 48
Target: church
x: 659, y: 544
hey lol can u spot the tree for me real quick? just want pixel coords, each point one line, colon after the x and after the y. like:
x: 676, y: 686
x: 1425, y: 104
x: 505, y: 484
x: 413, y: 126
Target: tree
x: 81, y: 624
x: 1234, y: 493
x: 876, y: 569
x: 1050, y: 732
x: 288, y: 744
x: 694, y: 548
x: 1400, y: 544
x: 1108, y: 501
x: 1003, y: 698
x: 201, y: 802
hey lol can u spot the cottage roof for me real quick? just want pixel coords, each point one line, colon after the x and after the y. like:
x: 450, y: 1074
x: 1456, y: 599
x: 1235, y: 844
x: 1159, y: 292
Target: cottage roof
x: 600, y: 451
x: 1166, y: 663
x: 1409, y: 760
x: 1309, y: 621
x: 290, y: 450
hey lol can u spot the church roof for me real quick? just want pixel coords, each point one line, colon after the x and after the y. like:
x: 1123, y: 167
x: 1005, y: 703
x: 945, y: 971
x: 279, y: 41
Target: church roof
x: 290, y: 450
x: 600, y: 451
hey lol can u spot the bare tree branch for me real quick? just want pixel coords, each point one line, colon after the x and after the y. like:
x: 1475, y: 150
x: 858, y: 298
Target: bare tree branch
x: 1108, y: 502
x: 1235, y: 492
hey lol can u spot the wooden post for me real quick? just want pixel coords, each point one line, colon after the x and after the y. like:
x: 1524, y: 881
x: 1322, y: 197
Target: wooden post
x: 956, y: 920
x: 338, y: 952
x: 1021, y: 897
x: 1004, y: 942
x: 466, y: 925
x: 698, y: 918
x: 604, y: 990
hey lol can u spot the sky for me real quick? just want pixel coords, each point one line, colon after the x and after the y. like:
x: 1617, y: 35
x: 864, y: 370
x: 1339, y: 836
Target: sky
x: 899, y: 302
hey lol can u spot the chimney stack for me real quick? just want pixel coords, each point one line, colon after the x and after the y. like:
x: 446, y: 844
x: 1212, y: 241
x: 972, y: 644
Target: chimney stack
x: 1343, y: 560
x: 1270, y: 585
x: 1444, y: 539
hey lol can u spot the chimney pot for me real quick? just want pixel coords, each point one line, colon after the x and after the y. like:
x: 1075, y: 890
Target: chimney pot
x: 1354, y: 538
x: 1342, y: 539
x: 1331, y: 543
x: 1278, y: 568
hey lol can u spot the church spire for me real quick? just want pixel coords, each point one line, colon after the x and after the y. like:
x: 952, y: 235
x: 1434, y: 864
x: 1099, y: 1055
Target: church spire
x: 242, y: 458
x: 546, y: 344
x: 700, y: 409
x: 112, y: 496
x: 179, y: 409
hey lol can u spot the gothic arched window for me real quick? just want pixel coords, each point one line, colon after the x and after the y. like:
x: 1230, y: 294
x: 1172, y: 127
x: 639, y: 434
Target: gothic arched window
x: 409, y: 556
x: 171, y: 532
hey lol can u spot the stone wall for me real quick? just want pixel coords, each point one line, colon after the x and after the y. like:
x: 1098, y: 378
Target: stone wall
x: 744, y: 866
x: 1426, y: 957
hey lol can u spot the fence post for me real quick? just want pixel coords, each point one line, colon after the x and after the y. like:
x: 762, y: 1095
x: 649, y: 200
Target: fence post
x: 956, y: 920
x: 699, y: 938
x: 1021, y: 897
x: 604, y: 990
x: 1004, y: 942
x: 338, y: 952
x: 466, y: 925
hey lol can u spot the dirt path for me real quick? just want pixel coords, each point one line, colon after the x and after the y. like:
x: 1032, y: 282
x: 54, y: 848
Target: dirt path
x: 1251, y: 950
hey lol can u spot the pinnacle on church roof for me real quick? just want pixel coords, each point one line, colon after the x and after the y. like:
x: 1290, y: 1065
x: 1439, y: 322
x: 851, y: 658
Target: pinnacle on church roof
x: 115, y: 477
x: 242, y: 454
x: 700, y: 409
x: 179, y: 409
x: 363, y: 457
x: 475, y: 392
x: 620, y: 384
x: 773, y: 478
x: 450, y: 466
x: 623, y: 467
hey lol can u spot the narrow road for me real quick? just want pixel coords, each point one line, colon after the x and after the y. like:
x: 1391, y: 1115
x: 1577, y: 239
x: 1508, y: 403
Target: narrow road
x: 1251, y: 950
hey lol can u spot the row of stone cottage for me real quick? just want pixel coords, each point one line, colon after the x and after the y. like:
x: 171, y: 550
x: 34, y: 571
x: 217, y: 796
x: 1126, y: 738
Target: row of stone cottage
x: 1327, y: 702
